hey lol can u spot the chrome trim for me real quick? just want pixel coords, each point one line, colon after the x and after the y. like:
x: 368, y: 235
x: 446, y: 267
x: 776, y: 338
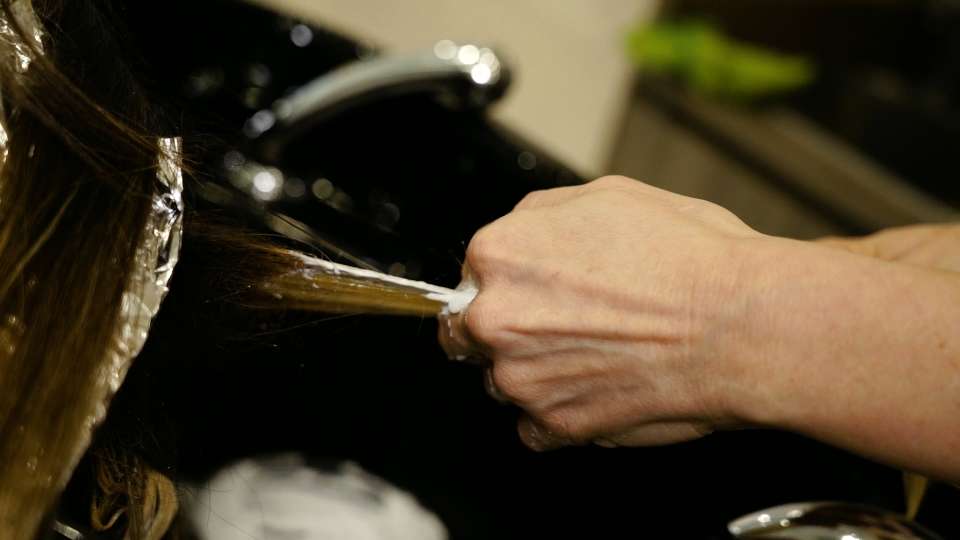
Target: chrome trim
x: 472, y: 74
x: 66, y: 531
x: 827, y: 521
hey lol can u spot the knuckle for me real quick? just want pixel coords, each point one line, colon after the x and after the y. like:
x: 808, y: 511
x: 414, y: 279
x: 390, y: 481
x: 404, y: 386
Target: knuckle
x: 484, y: 247
x: 479, y: 247
x: 710, y: 206
x: 481, y: 320
x: 705, y: 209
x: 561, y: 423
x: 698, y: 205
x: 530, y: 432
x: 613, y: 182
x: 512, y: 381
x: 530, y: 200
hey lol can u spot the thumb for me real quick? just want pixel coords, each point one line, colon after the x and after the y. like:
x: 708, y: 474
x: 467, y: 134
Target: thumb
x: 539, y: 438
x: 656, y: 434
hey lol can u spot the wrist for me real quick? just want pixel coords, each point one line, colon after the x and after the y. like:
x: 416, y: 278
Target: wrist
x: 806, y: 320
x: 753, y: 343
x: 850, y: 350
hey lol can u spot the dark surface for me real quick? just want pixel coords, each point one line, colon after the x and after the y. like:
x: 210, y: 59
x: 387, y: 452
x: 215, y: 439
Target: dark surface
x: 215, y: 384
x: 888, y: 73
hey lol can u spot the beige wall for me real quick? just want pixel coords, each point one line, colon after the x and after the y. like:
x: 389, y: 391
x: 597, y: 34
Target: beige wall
x: 572, y: 76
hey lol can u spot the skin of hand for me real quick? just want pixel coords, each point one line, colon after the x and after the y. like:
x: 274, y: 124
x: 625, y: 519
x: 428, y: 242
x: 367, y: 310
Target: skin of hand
x: 624, y: 315
x: 929, y: 246
x: 602, y: 309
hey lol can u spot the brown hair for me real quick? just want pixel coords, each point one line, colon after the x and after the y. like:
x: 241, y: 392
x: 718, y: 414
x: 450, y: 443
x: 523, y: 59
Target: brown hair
x: 75, y: 191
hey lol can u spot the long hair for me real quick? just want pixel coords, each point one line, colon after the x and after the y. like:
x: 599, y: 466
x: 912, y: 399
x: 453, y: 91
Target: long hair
x: 76, y: 183
x: 75, y: 190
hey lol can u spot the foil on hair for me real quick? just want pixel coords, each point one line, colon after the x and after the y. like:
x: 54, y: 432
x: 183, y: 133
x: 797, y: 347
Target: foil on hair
x: 153, y: 264
x: 26, y: 19
x: 150, y: 270
x: 21, y: 53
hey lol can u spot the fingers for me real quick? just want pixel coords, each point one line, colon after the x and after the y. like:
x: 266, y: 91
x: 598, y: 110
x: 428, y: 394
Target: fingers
x: 575, y: 423
x: 491, y: 387
x: 453, y: 333
x: 656, y: 434
x: 454, y: 338
x: 560, y: 349
x: 541, y: 438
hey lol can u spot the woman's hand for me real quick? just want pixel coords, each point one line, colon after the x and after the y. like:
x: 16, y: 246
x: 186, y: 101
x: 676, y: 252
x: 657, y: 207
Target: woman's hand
x: 607, y: 312
x: 622, y: 314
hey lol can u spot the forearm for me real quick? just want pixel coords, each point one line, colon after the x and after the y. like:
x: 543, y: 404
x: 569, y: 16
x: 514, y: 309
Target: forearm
x: 859, y: 353
x: 927, y: 245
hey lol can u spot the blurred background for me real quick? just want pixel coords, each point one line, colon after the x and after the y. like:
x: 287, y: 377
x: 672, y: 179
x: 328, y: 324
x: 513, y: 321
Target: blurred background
x: 572, y: 81
x: 804, y: 117
x: 382, y: 143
